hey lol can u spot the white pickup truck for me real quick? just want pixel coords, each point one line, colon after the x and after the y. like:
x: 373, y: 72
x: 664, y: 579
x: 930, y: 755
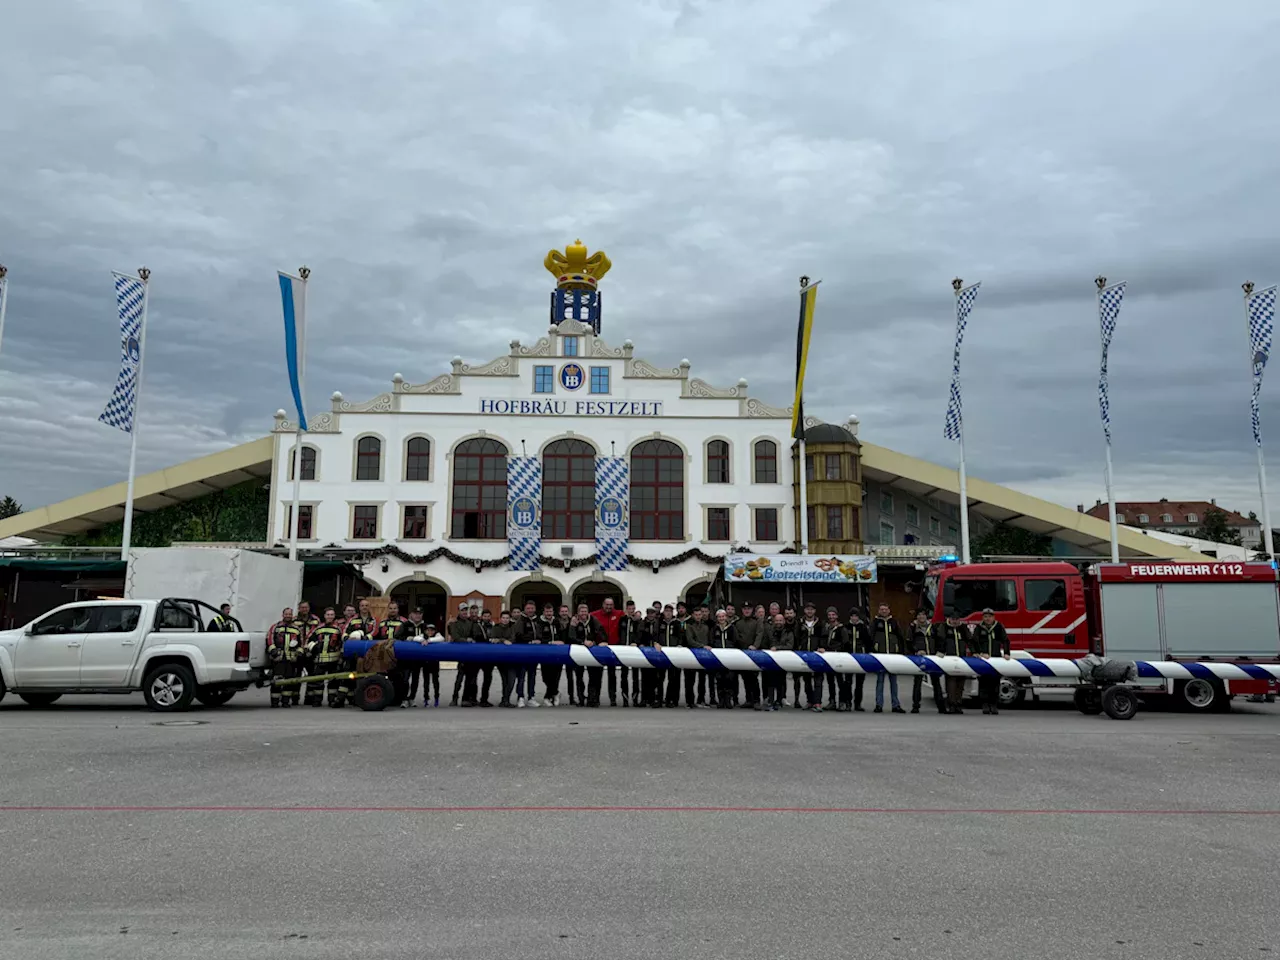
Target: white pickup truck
x: 163, y: 648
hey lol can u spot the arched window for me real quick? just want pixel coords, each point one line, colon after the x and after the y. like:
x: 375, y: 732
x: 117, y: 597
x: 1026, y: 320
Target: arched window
x: 308, y: 463
x: 657, y: 491
x: 569, y: 490
x: 766, y: 461
x: 717, y: 461
x: 480, y: 490
x: 417, y: 459
x: 368, y: 458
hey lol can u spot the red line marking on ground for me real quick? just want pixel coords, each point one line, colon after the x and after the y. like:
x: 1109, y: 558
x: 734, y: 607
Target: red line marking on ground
x: 904, y: 811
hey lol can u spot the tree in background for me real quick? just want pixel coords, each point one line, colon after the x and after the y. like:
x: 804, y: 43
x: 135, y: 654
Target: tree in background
x: 1214, y: 527
x: 9, y: 507
x: 1003, y: 540
x: 235, y: 515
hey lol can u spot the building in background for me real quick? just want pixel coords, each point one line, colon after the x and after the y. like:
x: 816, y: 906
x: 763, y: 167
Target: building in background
x: 1183, y: 517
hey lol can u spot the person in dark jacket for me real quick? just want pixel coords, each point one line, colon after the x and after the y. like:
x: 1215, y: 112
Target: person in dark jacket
x: 860, y: 640
x: 631, y: 634
x: 779, y: 637
x: 990, y: 640
x: 463, y: 630
x: 887, y: 637
x: 922, y: 644
x: 670, y: 633
x: 835, y: 639
x: 586, y: 630
x: 752, y: 631
x: 524, y: 630
x: 809, y: 640
x: 954, y: 642
x: 697, y: 635
x: 725, y: 637
x: 651, y: 678
x: 552, y: 632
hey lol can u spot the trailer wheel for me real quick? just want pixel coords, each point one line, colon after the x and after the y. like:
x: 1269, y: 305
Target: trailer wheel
x: 374, y: 693
x: 1120, y: 703
x: 1087, y: 701
x: 1201, y: 696
x: 1012, y: 693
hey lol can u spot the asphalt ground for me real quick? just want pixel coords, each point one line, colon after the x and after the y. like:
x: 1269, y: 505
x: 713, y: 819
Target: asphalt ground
x: 247, y: 832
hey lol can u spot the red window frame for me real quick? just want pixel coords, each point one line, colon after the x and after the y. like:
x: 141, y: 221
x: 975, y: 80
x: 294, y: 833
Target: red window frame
x: 417, y: 459
x: 414, y: 525
x: 569, y: 491
x: 766, y: 462
x: 718, y: 461
x: 368, y: 458
x: 718, y: 524
x: 308, y: 463
x: 653, y: 464
x: 479, y: 501
x: 364, y: 522
x: 305, y: 514
x: 765, y: 523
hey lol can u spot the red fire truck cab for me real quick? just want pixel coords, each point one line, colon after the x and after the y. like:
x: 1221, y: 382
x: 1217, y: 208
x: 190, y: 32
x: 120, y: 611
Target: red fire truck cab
x: 1151, y: 611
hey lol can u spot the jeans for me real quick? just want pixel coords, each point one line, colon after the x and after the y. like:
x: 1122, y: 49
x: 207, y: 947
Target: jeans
x: 577, y: 683
x: 526, y: 676
x: 893, y: 690
x: 551, y: 673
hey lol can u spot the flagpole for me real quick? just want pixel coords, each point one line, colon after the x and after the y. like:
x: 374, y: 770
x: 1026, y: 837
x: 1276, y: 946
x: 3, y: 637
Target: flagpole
x: 804, y: 472
x: 295, y: 518
x: 4, y: 298
x: 1262, y: 463
x: 958, y: 286
x: 126, y: 535
x: 1101, y: 283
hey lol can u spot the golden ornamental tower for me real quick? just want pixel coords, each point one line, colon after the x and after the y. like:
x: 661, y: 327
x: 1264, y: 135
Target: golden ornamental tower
x: 576, y: 296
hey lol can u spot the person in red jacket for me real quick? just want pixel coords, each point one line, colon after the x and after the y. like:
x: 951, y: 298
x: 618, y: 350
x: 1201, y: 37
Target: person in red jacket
x: 609, y: 620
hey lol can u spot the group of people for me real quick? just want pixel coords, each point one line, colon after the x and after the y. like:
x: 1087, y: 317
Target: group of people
x: 303, y: 641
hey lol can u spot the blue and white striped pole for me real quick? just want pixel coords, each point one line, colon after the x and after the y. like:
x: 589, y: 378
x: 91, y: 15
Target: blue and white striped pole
x: 792, y: 661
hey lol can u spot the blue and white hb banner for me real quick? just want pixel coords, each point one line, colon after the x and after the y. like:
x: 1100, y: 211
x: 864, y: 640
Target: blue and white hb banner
x: 524, y: 512
x: 1262, y: 315
x: 293, y: 296
x: 613, y: 514
x: 131, y: 300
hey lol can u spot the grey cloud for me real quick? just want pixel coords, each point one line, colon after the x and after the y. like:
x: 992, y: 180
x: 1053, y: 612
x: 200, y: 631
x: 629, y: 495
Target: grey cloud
x: 422, y: 160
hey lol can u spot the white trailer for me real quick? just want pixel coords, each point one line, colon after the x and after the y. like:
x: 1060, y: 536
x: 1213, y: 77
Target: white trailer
x: 257, y: 585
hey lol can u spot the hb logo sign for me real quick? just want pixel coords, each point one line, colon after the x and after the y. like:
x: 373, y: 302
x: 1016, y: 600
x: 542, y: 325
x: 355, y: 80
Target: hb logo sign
x: 612, y: 513
x: 524, y: 512
x: 571, y: 376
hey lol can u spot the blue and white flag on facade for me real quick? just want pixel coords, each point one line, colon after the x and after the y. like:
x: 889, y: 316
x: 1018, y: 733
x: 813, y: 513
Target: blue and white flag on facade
x: 1108, y: 313
x: 1262, y: 315
x: 955, y: 418
x: 293, y: 295
x: 131, y: 301
x: 524, y: 512
x: 613, y: 514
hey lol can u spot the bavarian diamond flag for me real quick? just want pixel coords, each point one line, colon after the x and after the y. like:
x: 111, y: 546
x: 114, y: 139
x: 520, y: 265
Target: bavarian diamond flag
x: 131, y: 298
x: 524, y: 512
x: 613, y: 521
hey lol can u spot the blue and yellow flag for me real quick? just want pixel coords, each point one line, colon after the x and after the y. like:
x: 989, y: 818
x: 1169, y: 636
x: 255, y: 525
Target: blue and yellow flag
x: 808, y: 296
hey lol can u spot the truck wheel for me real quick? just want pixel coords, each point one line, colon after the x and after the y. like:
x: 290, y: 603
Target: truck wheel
x: 214, y: 697
x: 40, y: 699
x: 1012, y: 693
x: 1120, y: 703
x: 3, y: 691
x: 1201, y: 696
x: 1087, y: 701
x: 169, y: 688
x: 374, y: 693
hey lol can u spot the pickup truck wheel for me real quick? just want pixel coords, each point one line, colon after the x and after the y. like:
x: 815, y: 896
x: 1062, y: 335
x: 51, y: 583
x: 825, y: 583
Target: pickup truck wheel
x: 1120, y: 703
x: 3, y: 691
x: 169, y: 687
x: 214, y: 697
x: 374, y: 693
x: 40, y: 699
x: 1087, y: 701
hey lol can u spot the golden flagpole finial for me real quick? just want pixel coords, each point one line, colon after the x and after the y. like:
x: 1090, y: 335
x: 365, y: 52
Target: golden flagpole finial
x: 804, y: 282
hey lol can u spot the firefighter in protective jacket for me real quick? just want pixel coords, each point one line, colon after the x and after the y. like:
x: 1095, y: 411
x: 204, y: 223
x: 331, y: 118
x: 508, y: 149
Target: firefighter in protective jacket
x: 284, y: 652
x: 324, y: 655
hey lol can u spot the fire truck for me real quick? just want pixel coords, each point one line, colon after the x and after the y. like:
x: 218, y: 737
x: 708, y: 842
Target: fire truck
x: 1152, y: 611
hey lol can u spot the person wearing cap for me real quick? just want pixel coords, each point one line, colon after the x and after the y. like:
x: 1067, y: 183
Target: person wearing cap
x: 809, y: 640
x: 990, y: 640
x: 954, y: 642
x: 887, y: 637
x: 431, y: 669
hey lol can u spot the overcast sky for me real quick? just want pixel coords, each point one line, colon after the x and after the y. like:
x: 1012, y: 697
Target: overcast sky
x: 421, y: 158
